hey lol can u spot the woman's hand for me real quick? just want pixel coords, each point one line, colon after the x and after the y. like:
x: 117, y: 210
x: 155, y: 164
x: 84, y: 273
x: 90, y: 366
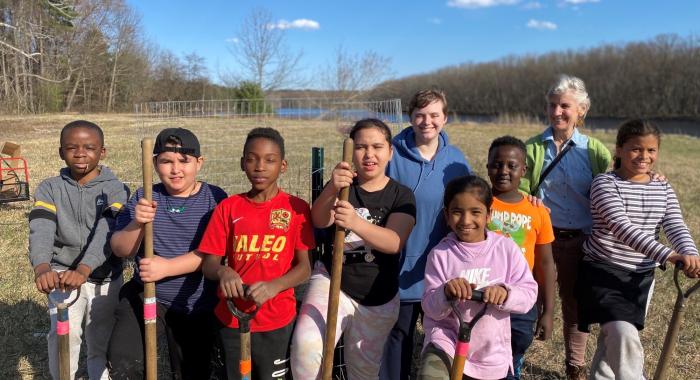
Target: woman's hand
x: 537, y: 202
x: 656, y: 176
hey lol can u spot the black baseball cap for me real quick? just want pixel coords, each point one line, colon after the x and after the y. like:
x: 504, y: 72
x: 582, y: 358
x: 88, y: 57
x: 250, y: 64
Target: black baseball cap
x: 189, y: 144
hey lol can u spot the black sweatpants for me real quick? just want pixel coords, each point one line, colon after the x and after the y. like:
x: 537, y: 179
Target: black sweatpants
x: 190, y: 338
x: 269, y: 353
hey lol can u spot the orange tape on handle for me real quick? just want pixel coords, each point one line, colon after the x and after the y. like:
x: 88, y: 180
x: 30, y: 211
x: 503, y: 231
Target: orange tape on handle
x: 244, y: 367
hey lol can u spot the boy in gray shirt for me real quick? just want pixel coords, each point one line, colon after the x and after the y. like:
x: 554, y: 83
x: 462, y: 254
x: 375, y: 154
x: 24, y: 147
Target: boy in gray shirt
x: 69, y: 227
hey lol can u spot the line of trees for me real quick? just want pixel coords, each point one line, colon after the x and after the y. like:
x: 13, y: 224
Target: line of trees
x: 90, y: 56
x: 655, y: 78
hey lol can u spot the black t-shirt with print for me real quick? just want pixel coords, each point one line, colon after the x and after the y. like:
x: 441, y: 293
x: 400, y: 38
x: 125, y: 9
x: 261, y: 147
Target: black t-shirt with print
x: 371, y: 277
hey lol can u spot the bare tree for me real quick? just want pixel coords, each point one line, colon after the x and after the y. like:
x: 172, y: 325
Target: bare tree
x: 122, y: 28
x: 351, y: 75
x: 262, y: 52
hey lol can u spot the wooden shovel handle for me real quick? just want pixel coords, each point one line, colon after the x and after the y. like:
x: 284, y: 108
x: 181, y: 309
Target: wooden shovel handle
x: 149, y: 288
x: 336, y: 271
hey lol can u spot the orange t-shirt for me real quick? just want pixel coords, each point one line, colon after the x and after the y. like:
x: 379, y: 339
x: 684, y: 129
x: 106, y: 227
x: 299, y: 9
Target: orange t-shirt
x: 525, y: 224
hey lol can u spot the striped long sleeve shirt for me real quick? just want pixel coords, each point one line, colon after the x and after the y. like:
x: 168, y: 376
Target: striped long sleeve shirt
x: 627, y: 219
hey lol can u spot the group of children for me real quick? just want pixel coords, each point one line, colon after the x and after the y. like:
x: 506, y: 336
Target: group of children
x: 422, y: 233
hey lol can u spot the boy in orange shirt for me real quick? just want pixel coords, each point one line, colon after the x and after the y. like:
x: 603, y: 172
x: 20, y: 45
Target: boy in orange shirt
x: 513, y: 215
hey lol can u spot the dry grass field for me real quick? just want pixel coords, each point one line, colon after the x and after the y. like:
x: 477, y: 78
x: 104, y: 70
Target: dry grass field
x: 23, y: 316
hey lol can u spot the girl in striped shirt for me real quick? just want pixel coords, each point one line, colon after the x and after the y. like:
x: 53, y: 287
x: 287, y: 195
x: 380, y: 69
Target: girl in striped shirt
x: 629, y: 207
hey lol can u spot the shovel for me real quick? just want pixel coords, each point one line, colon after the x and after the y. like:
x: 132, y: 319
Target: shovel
x: 464, y: 336
x: 245, y: 365
x: 63, y: 330
x: 673, y: 327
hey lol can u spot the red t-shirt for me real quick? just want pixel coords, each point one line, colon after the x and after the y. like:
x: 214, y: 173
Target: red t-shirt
x: 259, y: 240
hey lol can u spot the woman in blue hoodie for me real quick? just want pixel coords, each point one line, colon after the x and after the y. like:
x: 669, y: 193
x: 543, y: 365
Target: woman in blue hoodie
x: 425, y: 162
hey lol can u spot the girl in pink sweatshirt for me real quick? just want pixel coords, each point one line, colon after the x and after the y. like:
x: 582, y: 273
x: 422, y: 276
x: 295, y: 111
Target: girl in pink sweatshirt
x: 471, y: 257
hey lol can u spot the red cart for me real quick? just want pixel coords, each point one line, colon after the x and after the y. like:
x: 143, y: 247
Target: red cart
x: 14, y: 174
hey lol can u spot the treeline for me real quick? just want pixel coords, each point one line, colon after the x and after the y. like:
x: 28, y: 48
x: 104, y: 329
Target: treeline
x: 656, y: 78
x: 89, y: 56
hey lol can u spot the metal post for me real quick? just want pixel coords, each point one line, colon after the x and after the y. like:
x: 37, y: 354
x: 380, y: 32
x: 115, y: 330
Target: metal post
x: 316, y: 172
x: 316, y: 188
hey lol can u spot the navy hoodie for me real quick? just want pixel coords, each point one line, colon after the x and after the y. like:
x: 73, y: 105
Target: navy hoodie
x: 427, y: 179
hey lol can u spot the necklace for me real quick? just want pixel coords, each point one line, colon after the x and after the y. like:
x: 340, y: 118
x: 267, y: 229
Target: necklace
x: 170, y: 208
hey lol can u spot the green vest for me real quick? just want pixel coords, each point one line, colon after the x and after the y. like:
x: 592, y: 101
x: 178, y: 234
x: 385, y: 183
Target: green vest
x: 598, y: 154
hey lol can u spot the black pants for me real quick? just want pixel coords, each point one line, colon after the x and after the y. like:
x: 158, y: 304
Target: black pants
x: 269, y: 353
x: 398, y: 350
x: 190, y: 338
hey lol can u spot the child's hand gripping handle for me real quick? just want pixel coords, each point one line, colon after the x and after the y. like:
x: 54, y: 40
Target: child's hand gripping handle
x: 245, y: 365
x: 149, y: 288
x: 674, y: 325
x: 464, y: 335
x: 336, y: 270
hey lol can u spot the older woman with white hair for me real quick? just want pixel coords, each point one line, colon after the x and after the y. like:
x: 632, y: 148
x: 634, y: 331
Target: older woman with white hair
x: 561, y: 163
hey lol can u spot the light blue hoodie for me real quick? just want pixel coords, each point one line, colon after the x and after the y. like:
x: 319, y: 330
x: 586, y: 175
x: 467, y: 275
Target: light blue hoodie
x: 427, y: 179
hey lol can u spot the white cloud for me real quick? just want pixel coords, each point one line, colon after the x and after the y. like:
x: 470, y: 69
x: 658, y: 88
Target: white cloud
x: 541, y: 25
x: 580, y: 1
x: 435, y: 20
x: 533, y: 5
x: 300, y: 23
x: 232, y: 40
x: 473, y: 4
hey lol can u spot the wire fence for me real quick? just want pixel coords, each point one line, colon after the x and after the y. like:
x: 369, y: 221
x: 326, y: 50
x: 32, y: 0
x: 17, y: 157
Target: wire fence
x: 222, y: 125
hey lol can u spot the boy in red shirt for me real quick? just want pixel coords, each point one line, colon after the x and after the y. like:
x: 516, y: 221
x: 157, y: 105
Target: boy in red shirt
x: 265, y: 235
x: 514, y: 216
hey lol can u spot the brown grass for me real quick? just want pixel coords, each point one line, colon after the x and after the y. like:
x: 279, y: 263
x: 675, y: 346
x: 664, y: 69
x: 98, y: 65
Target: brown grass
x: 23, y: 314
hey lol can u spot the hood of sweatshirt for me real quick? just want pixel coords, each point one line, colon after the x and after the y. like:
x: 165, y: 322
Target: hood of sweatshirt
x: 465, y: 251
x: 405, y: 144
x: 427, y: 179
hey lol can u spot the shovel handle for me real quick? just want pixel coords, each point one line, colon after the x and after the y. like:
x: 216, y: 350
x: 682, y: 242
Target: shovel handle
x: 63, y: 332
x: 464, y: 334
x: 149, y: 288
x: 674, y: 325
x: 336, y: 271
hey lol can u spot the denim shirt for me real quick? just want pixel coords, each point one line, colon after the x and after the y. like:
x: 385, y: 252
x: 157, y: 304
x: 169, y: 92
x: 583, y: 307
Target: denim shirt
x: 566, y: 190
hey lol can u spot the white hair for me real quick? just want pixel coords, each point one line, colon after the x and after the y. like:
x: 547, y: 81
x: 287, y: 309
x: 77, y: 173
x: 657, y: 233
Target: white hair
x: 574, y: 86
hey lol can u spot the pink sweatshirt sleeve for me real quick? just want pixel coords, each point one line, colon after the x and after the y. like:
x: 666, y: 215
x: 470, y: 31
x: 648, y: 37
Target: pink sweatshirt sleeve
x: 521, y: 286
x: 434, y: 301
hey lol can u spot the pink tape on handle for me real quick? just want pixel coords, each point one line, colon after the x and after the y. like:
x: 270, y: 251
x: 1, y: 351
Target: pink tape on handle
x: 462, y: 349
x: 149, y: 311
x: 62, y: 327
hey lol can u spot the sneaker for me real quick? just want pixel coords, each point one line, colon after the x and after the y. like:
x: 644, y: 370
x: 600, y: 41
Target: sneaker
x: 574, y: 372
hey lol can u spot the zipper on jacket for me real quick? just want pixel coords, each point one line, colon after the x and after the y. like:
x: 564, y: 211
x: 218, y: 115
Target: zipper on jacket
x: 80, y: 218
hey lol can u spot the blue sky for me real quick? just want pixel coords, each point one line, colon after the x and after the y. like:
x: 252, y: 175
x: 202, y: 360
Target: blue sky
x: 418, y: 36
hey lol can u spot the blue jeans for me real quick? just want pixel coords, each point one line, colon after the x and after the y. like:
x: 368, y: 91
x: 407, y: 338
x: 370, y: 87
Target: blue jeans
x: 522, y: 332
